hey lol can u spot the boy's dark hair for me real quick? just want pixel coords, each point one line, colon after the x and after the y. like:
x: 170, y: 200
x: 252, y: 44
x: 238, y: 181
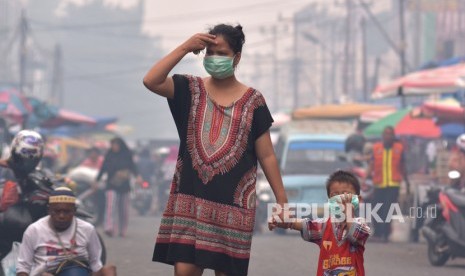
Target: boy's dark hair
x: 345, y: 177
x: 234, y: 36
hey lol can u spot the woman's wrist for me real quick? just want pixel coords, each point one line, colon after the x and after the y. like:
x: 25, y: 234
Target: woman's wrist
x: 183, y: 50
x: 281, y: 200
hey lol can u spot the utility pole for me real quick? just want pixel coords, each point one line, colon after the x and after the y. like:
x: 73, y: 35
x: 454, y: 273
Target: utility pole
x: 364, y: 60
x: 23, y: 28
x: 375, y: 79
x: 324, y: 60
x: 257, y: 76
x: 402, y: 44
x: 334, y: 61
x: 417, y: 33
x: 347, y: 50
x: 383, y: 31
x: 57, y: 77
x: 275, y: 68
x: 295, y: 65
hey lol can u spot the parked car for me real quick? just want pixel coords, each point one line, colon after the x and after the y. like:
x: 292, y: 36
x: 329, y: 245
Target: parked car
x: 306, y: 159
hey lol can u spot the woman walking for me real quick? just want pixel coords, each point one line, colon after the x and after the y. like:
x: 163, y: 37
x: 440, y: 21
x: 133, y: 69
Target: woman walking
x: 118, y: 165
x: 223, y: 129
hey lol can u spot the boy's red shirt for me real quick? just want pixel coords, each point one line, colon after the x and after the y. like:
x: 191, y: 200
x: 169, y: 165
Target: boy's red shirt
x: 339, y: 259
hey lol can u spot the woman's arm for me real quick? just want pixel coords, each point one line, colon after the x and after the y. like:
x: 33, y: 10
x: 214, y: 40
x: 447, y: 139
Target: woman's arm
x: 102, y: 170
x: 267, y: 159
x: 157, y: 80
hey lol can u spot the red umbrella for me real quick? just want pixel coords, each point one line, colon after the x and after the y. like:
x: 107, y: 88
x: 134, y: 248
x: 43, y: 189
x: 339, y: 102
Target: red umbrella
x: 440, y: 80
x: 419, y: 127
x: 405, y: 125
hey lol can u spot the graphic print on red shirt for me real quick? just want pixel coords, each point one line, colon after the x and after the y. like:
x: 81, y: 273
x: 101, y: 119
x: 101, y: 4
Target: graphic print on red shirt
x: 339, y: 258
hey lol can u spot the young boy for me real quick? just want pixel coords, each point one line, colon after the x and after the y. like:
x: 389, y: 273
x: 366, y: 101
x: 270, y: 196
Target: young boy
x: 341, y: 236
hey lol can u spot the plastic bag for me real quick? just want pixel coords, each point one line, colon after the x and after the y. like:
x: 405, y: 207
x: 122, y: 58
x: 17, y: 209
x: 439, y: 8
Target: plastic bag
x: 120, y: 178
x: 9, y: 262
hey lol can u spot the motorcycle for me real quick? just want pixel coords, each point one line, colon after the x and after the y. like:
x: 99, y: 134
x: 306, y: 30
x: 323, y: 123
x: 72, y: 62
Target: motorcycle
x: 444, y: 225
x: 31, y: 206
x: 82, y: 179
x: 142, y: 197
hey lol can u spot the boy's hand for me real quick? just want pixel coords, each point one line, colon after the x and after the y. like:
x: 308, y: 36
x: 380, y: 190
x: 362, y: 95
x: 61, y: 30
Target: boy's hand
x: 348, y: 207
x: 284, y: 217
x: 274, y: 224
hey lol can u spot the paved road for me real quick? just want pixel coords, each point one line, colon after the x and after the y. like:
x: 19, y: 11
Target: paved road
x: 275, y: 255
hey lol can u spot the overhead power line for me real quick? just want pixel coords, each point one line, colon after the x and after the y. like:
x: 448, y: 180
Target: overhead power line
x: 181, y: 18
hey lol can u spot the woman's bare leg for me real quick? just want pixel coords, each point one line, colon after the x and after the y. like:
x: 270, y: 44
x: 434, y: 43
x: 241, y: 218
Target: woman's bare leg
x: 186, y: 269
x: 220, y: 273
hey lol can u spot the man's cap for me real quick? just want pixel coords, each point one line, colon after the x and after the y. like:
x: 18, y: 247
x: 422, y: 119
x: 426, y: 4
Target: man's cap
x: 62, y: 195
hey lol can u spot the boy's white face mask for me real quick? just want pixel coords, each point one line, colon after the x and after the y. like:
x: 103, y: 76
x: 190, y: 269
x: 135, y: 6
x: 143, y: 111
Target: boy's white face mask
x: 335, y: 203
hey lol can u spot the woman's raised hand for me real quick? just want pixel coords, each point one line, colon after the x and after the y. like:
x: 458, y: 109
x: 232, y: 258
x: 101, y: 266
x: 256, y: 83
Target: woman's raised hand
x: 198, y: 42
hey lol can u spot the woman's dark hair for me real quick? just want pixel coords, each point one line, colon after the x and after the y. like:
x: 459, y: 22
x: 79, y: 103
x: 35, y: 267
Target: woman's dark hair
x: 234, y: 36
x: 344, y: 177
x: 124, y: 149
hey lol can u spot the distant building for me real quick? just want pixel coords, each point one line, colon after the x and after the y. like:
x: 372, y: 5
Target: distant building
x: 10, y: 12
x: 330, y: 70
x: 90, y: 58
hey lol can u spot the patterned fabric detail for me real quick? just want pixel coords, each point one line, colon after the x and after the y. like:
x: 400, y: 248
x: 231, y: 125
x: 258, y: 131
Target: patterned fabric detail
x: 216, y: 127
x: 358, y: 234
x: 217, y: 136
x: 177, y: 177
x: 245, y: 195
x: 359, y: 231
x: 207, y: 226
x: 312, y: 230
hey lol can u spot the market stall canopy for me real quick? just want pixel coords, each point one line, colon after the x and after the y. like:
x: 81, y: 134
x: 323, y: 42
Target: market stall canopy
x: 405, y: 125
x: 45, y: 115
x: 119, y: 129
x: 373, y: 116
x: 319, y: 127
x: 337, y: 111
x: 452, y: 130
x: 14, y: 106
x: 447, y: 62
x: 67, y: 117
x: 445, y: 111
x: 68, y: 130
x: 440, y: 80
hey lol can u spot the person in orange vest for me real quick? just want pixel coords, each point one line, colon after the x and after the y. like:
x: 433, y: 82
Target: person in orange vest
x: 387, y: 168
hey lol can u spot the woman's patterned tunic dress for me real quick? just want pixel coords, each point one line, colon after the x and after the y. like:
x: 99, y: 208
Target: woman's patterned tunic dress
x: 210, y: 214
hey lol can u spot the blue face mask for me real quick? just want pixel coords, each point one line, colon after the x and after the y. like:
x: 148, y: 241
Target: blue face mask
x: 336, y: 201
x: 219, y: 67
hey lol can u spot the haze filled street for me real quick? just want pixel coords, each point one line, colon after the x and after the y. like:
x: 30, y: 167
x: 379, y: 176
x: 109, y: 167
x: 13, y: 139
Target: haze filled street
x: 273, y: 254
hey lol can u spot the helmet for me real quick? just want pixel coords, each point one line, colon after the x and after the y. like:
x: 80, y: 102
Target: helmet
x: 27, y: 149
x: 460, y: 142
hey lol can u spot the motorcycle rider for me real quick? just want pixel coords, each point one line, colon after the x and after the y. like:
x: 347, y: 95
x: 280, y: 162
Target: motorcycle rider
x: 457, y: 163
x: 445, y: 230
x: 27, y: 149
x: 61, y: 244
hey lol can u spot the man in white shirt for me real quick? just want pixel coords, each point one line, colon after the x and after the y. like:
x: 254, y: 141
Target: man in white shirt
x: 61, y: 242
